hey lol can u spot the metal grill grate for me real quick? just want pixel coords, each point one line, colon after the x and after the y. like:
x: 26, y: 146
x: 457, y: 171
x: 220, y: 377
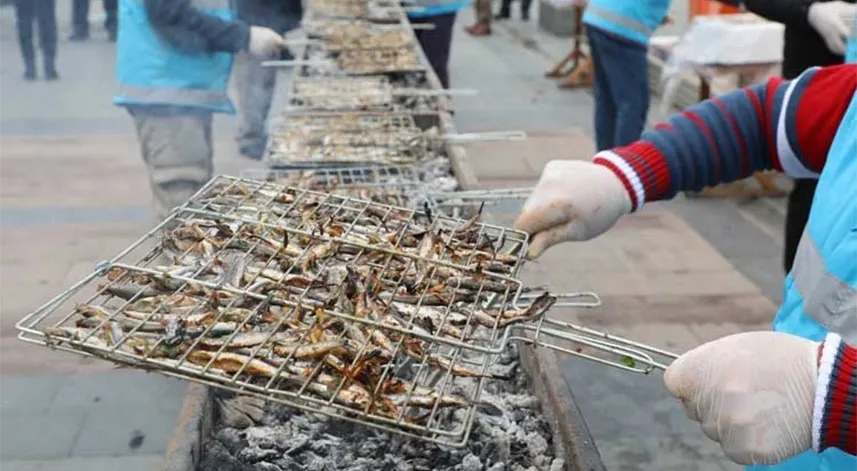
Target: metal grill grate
x: 342, y: 93
x: 380, y: 61
x: 351, y: 123
x: 393, y: 185
x: 357, y: 310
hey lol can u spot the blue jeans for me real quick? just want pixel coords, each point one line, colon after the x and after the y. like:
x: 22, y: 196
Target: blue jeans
x: 621, y: 89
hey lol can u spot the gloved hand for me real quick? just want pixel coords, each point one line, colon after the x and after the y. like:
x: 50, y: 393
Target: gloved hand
x: 751, y: 392
x: 265, y: 42
x: 573, y: 201
x: 829, y: 19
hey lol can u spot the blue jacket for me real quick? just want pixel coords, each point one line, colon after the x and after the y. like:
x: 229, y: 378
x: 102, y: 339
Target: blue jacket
x: 635, y: 20
x: 177, y: 53
x: 436, y: 7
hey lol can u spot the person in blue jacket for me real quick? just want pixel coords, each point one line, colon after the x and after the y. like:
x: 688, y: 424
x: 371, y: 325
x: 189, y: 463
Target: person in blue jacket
x: 618, y: 33
x: 255, y: 84
x: 436, y: 42
x: 173, y: 63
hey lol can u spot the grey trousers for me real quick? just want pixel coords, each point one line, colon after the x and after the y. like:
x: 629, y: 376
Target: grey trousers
x: 254, y: 85
x: 177, y: 149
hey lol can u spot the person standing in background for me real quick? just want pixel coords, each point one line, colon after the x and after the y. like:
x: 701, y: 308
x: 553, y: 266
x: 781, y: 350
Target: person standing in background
x: 810, y: 41
x: 482, y: 27
x: 619, y: 32
x: 254, y: 83
x: 173, y: 62
x: 80, y: 19
x: 43, y: 14
x: 436, y: 42
x: 506, y: 10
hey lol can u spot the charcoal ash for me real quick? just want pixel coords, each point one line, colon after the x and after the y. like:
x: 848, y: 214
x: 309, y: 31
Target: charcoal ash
x: 513, y: 436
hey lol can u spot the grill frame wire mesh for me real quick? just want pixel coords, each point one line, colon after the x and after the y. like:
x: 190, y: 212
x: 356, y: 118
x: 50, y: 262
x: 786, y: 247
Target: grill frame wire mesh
x: 455, y: 437
x: 400, y: 182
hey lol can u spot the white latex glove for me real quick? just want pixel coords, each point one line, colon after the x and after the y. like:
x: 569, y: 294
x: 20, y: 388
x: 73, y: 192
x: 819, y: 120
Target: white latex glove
x: 830, y: 20
x: 573, y: 201
x: 265, y: 42
x: 751, y: 392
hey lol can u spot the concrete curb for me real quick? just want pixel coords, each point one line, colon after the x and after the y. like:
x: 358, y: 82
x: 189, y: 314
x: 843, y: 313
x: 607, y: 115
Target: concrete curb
x: 196, y: 420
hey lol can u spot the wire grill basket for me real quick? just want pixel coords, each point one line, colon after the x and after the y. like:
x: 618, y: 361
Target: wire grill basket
x: 318, y: 301
x: 393, y: 185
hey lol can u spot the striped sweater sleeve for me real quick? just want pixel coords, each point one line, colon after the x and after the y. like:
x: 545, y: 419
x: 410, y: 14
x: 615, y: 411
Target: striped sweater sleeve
x: 834, y: 417
x: 781, y: 125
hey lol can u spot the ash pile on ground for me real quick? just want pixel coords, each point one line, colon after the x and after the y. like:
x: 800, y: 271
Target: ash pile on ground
x: 512, y: 437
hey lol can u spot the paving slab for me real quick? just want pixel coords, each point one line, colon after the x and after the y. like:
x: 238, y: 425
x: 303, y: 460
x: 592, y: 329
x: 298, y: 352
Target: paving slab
x: 27, y: 435
x: 126, y: 463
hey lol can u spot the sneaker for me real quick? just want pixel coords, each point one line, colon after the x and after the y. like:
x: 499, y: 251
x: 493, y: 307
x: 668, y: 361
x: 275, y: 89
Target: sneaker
x: 30, y: 74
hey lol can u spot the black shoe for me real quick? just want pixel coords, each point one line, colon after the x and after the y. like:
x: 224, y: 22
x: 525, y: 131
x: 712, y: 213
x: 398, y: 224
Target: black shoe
x: 502, y: 16
x: 30, y: 74
x: 78, y: 36
x: 525, y: 16
x: 51, y: 73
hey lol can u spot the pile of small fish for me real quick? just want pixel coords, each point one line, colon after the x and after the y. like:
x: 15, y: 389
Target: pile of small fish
x: 352, y: 123
x: 301, y: 294
x: 371, y: 146
x: 380, y: 61
x: 343, y: 93
x: 383, y: 185
x: 342, y: 40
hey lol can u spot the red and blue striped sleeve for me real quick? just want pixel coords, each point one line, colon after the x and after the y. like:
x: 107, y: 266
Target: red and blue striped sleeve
x: 834, y: 416
x: 781, y: 125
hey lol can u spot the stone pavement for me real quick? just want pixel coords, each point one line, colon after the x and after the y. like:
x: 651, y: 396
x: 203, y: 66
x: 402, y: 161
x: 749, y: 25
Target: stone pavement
x: 74, y: 192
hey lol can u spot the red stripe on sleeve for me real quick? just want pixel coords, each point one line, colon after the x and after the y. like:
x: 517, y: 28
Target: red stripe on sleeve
x: 711, y: 142
x: 822, y: 105
x: 745, y: 158
x: 765, y: 123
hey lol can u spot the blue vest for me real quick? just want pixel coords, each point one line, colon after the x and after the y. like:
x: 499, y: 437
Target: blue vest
x: 821, y: 290
x: 631, y: 19
x: 150, y: 71
x: 436, y: 7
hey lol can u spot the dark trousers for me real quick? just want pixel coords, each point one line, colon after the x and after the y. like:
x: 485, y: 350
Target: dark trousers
x: 506, y: 7
x: 436, y: 43
x: 80, y: 15
x: 621, y: 89
x: 797, y: 214
x: 42, y: 13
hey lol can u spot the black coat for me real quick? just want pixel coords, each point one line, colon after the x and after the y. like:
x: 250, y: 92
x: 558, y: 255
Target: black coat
x: 279, y: 15
x: 804, y: 47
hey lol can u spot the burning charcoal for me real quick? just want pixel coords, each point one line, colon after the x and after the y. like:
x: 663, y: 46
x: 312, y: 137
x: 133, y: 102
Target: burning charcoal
x: 288, y: 464
x: 216, y: 457
x: 255, y: 455
x: 265, y: 466
x: 277, y: 438
x: 471, y: 462
x: 536, y: 444
x: 497, y: 467
x: 232, y: 439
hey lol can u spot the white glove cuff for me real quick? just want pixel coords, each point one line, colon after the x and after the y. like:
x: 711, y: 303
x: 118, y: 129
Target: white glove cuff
x: 628, y: 176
